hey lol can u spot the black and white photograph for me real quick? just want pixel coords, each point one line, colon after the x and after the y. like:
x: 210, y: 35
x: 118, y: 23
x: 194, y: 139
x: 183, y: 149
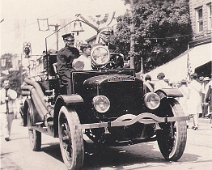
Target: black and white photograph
x: 106, y: 84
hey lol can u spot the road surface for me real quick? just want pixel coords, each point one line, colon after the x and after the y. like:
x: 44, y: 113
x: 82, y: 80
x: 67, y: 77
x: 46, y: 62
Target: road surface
x: 17, y: 155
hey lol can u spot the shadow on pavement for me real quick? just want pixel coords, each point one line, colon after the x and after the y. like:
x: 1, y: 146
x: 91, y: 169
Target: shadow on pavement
x: 97, y: 157
x: 189, y: 158
x: 8, y: 164
x: 52, y: 149
x: 5, y: 154
x: 145, y: 155
x: 122, y: 156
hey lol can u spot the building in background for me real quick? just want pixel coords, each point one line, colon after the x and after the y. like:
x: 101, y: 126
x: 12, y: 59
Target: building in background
x: 198, y: 57
x: 201, y: 20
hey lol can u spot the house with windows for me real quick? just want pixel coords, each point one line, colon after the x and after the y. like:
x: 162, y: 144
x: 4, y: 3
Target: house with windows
x: 198, y: 57
x: 201, y: 20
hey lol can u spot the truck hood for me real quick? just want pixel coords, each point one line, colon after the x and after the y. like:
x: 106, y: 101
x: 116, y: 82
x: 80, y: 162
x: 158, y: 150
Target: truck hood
x: 101, y: 79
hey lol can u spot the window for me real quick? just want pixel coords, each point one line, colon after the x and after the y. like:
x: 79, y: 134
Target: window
x: 199, y: 19
x: 209, y: 6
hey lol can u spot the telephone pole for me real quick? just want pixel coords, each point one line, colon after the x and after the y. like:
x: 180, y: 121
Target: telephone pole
x: 56, y: 28
x: 132, y: 37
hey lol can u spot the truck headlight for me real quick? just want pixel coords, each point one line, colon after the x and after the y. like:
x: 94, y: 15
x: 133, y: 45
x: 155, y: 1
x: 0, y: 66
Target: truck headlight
x: 100, y: 55
x: 152, y: 100
x: 101, y: 103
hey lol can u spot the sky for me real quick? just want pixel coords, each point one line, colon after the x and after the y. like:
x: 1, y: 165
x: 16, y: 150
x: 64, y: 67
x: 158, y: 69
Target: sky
x: 20, y: 20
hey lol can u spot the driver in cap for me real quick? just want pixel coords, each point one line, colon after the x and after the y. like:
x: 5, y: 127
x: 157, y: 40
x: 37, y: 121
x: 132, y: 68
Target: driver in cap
x: 65, y: 58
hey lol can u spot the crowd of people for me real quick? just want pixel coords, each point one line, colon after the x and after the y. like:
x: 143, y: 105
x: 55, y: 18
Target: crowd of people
x: 196, y: 100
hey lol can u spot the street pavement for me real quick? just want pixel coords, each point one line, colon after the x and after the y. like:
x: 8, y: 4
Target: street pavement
x: 17, y: 155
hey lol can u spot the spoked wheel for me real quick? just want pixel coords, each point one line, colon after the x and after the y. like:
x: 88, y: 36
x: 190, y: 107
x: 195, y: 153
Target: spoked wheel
x: 71, y: 139
x: 34, y: 135
x: 172, y: 136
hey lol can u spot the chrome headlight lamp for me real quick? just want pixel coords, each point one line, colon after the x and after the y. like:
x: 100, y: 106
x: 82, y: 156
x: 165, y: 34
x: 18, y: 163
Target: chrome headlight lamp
x: 101, y: 103
x: 100, y: 55
x: 152, y: 100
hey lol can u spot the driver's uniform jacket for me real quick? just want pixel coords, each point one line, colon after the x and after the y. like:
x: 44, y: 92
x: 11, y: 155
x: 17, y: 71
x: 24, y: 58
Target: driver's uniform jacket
x: 65, y: 58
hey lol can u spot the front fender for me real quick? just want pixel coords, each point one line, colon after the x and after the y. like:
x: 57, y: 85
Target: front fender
x: 70, y: 99
x: 65, y: 100
x: 169, y: 92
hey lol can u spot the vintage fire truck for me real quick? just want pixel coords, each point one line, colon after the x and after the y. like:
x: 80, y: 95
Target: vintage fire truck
x: 107, y: 104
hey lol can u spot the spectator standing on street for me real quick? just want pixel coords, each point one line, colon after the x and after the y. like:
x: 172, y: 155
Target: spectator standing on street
x: 160, y: 83
x: 205, y: 105
x: 184, y: 100
x: 208, y: 98
x: 65, y: 58
x: 148, y: 85
x: 8, y: 104
x: 195, y: 100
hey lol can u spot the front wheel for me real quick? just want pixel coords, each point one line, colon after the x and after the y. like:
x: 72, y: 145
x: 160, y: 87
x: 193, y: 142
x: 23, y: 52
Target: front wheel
x: 71, y: 139
x: 173, y: 135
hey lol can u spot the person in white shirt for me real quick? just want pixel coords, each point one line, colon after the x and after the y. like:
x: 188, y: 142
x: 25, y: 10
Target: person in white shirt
x: 184, y: 100
x: 195, y: 100
x: 7, y: 108
x: 84, y: 57
x: 208, y: 98
x: 160, y: 83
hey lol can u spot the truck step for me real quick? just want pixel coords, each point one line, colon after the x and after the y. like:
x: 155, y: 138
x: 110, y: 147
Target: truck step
x: 39, y: 123
x: 50, y: 123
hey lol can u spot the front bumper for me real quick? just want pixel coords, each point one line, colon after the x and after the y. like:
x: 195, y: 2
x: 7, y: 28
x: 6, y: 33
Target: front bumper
x: 129, y: 119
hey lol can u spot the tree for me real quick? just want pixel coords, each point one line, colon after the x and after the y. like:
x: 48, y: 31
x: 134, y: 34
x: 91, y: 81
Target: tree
x: 15, y: 76
x: 6, y: 61
x: 162, y: 31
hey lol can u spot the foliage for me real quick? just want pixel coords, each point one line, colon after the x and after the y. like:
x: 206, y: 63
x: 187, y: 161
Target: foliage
x: 15, y: 76
x: 8, y: 61
x: 162, y: 31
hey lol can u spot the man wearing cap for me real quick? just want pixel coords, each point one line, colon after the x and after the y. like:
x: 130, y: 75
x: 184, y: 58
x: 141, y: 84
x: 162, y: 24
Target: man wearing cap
x: 85, y: 57
x: 65, y: 58
x: 104, y: 38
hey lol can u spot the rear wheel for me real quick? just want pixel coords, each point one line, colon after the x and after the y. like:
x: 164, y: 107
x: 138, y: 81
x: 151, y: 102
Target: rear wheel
x: 71, y: 139
x: 172, y: 136
x: 34, y: 135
